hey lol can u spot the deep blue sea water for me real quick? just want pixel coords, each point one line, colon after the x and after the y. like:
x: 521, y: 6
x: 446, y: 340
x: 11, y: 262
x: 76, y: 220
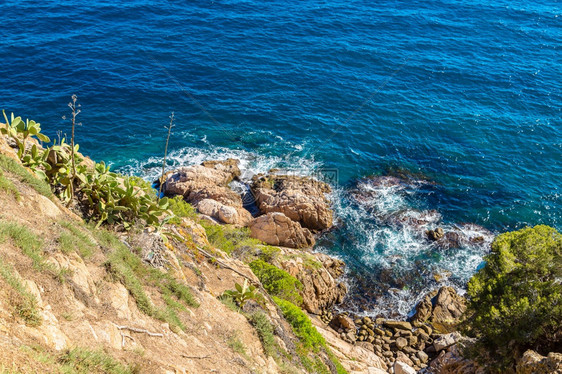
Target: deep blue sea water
x: 465, y: 98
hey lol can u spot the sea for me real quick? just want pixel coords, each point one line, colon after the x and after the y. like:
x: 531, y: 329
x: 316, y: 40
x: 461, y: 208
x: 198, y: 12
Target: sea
x: 419, y: 114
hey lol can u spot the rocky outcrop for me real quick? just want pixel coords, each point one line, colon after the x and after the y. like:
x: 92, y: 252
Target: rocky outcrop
x: 278, y: 229
x: 302, y: 199
x: 206, y: 187
x: 442, y: 308
x: 451, y: 361
x: 533, y: 363
x: 318, y: 273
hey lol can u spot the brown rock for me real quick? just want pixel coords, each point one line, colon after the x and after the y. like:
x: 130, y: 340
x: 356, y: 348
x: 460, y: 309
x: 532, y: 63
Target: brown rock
x: 442, y: 308
x: 401, y: 343
x: 533, y: 363
x: 224, y: 213
x: 278, y: 229
x: 343, y: 321
x: 302, y: 199
x: 398, y: 325
x: 321, y: 291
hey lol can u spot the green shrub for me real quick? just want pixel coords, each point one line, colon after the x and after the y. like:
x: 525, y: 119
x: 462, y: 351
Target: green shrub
x: 265, y: 331
x: 302, y: 327
x: 310, y: 339
x: 277, y: 282
x: 515, y: 300
x: 229, y: 238
x: 180, y: 209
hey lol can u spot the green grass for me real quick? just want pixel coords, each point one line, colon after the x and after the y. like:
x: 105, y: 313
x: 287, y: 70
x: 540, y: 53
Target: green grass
x: 14, y: 167
x: 277, y: 282
x: 8, y: 186
x: 134, y: 274
x: 31, y: 246
x: 26, y: 306
x: 74, y: 239
x: 82, y: 361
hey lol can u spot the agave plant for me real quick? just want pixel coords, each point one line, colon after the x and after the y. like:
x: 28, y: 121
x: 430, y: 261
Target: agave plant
x: 241, y: 294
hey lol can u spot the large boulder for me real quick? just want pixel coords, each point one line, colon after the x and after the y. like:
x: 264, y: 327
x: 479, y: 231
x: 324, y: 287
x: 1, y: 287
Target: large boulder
x: 441, y: 308
x: 278, y: 229
x: 302, y: 199
x: 534, y: 363
x: 318, y: 274
x: 224, y: 213
x: 206, y: 187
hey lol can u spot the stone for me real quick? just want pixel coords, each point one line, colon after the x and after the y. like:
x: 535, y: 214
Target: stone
x: 442, y: 308
x: 320, y: 289
x: 531, y: 362
x: 278, y: 229
x: 445, y: 341
x: 422, y: 356
x: 398, y: 325
x: 401, y: 343
x: 343, y: 321
x: 402, y: 368
x: 401, y: 356
x: 436, y: 234
x: 224, y: 213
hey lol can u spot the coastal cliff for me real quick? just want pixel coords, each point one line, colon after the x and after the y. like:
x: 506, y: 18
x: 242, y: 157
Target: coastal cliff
x: 194, y: 282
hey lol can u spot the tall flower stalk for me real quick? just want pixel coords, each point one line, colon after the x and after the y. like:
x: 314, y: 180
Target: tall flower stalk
x: 169, y: 128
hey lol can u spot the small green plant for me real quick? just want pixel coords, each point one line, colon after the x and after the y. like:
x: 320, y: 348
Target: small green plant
x: 229, y: 238
x: 73, y: 238
x: 277, y: 282
x: 242, y: 293
x: 237, y: 345
x: 310, y: 339
x: 180, y: 209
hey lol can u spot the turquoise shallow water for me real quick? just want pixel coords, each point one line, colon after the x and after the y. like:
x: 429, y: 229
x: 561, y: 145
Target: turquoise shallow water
x: 466, y: 97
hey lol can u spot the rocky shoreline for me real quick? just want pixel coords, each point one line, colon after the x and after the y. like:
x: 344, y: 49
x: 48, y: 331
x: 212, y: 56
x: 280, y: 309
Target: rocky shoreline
x: 291, y: 210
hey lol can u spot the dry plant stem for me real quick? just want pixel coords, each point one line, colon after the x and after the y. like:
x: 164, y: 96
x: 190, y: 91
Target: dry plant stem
x: 165, y: 154
x: 142, y: 331
x: 75, y: 112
